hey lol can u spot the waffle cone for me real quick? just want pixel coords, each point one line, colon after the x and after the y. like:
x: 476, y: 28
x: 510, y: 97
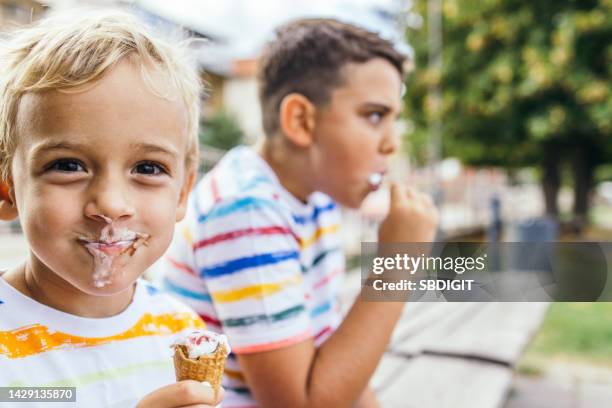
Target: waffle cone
x: 206, y: 368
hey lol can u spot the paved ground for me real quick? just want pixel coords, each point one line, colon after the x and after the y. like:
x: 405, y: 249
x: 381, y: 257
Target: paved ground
x: 563, y: 385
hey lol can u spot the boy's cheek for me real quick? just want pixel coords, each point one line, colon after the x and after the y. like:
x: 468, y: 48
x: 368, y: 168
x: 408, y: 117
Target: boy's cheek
x: 51, y: 211
x: 158, y: 217
x: 190, y: 177
x: 43, y: 218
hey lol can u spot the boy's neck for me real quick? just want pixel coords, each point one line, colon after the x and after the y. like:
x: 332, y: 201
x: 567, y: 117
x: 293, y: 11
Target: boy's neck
x: 58, y: 294
x: 290, y: 165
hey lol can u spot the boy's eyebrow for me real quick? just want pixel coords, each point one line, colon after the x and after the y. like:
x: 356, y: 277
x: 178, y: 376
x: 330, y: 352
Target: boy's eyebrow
x: 156, y: 148
x: 376, y: 105
x: 66, y: 145
x: 51, y: 145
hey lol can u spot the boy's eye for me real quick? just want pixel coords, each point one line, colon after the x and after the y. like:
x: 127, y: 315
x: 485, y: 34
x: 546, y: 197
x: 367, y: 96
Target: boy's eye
x: 375, y: 117
x: 149, y: 168
x: 66, y: 166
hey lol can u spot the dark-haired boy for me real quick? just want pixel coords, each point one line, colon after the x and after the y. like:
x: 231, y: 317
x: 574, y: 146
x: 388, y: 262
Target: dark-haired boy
x: 259, y: 253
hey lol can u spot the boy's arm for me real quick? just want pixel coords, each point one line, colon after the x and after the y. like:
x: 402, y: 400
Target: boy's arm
x: 336, y: 373
x: 367, y: 399
x: 333, y: 375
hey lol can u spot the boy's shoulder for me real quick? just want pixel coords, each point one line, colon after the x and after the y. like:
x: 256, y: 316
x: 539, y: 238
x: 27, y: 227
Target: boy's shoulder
x: 158, y: 301
x: 243, y: 190
x: 242, y: 179
x: 17, y: 308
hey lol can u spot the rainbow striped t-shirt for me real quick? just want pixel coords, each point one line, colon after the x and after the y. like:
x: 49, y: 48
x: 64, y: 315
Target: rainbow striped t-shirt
x: 256, y: 263
x: 112, y: 362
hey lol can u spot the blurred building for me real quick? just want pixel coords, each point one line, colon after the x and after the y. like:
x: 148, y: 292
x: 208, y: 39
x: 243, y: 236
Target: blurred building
x: 228, y: 71
x: 233, y: 88
x: 14, y: 13
x: 230, y: 79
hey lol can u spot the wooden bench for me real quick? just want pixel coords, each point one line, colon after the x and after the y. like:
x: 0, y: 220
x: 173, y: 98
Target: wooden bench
x: 452, y: 354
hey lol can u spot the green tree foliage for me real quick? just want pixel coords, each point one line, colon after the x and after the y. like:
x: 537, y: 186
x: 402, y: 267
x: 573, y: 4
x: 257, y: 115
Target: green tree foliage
x: 218, y: 134
x: 221, y: 131
x: 523, y: 83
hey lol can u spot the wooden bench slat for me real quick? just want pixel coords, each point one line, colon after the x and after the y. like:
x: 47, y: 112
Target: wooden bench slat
x: 432, y: 359
x: 422, y: 324
x: 495, y: 331
x: 500, y: 332
x: 447, y: 382
x: 388, y: 369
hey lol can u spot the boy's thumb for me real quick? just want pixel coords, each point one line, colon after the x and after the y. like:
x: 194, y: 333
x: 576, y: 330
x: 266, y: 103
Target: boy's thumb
x: 395, y: 194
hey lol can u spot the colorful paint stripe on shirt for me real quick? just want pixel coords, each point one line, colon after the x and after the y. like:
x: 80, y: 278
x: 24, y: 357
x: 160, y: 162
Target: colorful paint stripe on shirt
x: 254, y: 261
x: 36, y: 338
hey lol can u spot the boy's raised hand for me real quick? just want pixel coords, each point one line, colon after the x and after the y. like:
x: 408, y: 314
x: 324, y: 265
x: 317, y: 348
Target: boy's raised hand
x: 188, y: 393
x: 412, y: 217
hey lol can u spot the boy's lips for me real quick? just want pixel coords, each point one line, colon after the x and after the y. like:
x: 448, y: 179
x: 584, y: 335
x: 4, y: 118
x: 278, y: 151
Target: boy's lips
x: 111, y: 251
x: 114, y: 242
x: 376, y: 178
x: 110, y: 248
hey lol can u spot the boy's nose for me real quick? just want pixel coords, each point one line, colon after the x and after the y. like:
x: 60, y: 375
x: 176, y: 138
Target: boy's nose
x: 108, y: 200
x: 390, y: 142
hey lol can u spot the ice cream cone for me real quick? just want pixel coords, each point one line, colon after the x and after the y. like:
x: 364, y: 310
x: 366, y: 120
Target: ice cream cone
x: 207, y: 368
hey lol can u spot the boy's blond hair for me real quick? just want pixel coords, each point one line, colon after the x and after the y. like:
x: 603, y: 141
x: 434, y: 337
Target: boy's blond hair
x: 71, y: 50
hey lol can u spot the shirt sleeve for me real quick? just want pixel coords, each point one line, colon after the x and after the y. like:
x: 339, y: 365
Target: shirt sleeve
x: 179, y: 270
x: 246, y: 259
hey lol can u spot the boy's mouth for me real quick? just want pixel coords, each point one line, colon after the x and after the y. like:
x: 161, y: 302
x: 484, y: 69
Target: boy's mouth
x: 115, y: 241
x: 375, y: 179
x: 110, y: 248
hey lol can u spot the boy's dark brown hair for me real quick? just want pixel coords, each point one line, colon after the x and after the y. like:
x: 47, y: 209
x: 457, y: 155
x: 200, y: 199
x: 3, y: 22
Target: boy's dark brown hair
x: 307, y: 57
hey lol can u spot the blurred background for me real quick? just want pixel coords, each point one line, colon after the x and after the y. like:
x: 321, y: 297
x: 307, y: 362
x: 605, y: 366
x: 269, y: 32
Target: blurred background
x: 507, y: 121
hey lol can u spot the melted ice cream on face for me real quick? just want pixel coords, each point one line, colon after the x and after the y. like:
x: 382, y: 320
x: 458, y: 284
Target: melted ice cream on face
x: 203, y: 342
x: 112, y: 250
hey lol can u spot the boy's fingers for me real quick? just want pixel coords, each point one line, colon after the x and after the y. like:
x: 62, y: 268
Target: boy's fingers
x: 181, y: 394
x: 394, y: 192
x: 399, y: 194
x: 428, y: 200
x: 413, y: 194
x: 212, y: 399
x: 219, y: 396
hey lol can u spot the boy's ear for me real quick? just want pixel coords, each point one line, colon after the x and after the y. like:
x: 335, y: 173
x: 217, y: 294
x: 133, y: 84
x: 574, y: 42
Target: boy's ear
x: 8, y: 209
x: 297, y: 119
x: 181, y: 207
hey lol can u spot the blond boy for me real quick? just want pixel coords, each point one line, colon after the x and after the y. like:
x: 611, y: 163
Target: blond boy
x: 98, y: 125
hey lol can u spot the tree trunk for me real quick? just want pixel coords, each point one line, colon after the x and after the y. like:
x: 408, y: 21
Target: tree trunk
x: 584, y: 171
x: 551, y: 180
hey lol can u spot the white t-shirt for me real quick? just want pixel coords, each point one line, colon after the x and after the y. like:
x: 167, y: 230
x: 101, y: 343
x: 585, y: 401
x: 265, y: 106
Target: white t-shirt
x: 112, y: 362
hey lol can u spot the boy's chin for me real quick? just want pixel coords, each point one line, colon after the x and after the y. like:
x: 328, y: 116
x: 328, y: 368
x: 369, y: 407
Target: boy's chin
x: 109, y: 287
x: 352, y: 204
x: 351, y: 201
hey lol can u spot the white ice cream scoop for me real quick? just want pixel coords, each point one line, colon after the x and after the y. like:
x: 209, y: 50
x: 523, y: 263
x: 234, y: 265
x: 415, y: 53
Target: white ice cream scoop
x: 203, y: 342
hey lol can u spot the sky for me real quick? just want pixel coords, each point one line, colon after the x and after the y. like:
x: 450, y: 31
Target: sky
x: 243, y: 26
